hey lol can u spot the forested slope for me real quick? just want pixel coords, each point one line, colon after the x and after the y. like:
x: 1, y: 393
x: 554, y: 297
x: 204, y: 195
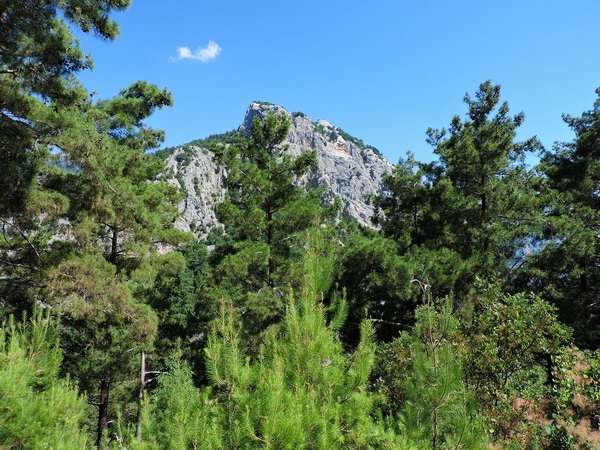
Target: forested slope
x: 465, y: 317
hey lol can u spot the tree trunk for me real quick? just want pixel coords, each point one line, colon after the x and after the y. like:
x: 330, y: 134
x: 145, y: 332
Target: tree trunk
x: 103, y: 409
x: 114, y: 245
x: 271, y: 262
x: 141, y: 395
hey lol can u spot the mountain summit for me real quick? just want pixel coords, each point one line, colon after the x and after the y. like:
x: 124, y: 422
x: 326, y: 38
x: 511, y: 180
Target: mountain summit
x: 347, y: 168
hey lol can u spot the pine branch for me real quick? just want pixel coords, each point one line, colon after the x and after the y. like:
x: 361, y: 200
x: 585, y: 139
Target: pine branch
x: 402, y: 326
x: 21, y: 266
x: 21, y: 282
x: 23, y: 235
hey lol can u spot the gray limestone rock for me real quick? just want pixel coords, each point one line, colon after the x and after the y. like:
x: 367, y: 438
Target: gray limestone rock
x: 347, y: 168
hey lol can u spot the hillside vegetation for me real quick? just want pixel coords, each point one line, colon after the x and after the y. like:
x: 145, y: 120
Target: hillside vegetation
x: 465, y: 314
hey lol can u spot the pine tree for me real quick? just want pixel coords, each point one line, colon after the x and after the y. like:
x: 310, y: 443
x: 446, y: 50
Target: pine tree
x: 82, y: 208
x: 403, y: 215
x: 438, y: 410
x: 267, y: 215
x: 476, y: 205
x: 564, y: 266
x: 301, y: 391
x: 104, y: 267
x: 306, y: 391
x: 38, y: 409
x: 77, y: 177
x: 116, y: 195
x: 482, y: 183
x: 39, y: 58
x: 376, y: 278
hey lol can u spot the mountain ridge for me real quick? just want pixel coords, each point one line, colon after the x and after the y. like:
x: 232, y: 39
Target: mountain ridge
x: 347, y: 168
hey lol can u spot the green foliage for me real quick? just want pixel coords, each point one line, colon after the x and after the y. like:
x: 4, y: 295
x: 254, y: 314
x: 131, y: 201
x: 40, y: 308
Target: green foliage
x: 104, y: 327
x: 377, y: 282
x: 402, y: 215
x: 574, y: 405
x: 564, y: 269
x: 177, y: 293
x: 478, y: 201
x: 117, y: 188
x: 38, y: 409
x: 593, y: 375
x: 356, y: 141
x: 228, y: 137
x: 180, y: 416
x: 39, y: 58
x: 177, y: 288
x: 434, y: 406
x: 165, y: 152
x: 184, y: 158
x: 39, y: 52
x: 84, y: 241
x: 378, y: 271
x: 112, y: 204
x: 512, y: 339
x: 482, y: 181
x: 80, y: 241
x: 267, y: 214
x: 320, y: 128
x: 301, y: 391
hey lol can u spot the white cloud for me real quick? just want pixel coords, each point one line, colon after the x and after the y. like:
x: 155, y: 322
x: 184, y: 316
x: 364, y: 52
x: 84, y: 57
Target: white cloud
x: 206, y: 54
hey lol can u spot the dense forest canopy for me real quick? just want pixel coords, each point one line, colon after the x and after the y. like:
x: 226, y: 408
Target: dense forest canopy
x: 467, y: 317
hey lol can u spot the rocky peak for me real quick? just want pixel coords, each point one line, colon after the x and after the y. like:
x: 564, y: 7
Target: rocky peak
x: 347, y: 168
x: 259, y: 109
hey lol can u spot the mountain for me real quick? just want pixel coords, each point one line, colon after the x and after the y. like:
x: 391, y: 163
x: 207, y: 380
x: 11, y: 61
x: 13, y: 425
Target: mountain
x: 347, y: 168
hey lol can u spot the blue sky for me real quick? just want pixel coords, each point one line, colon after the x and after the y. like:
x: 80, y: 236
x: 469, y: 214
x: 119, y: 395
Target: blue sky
x: 383, y: 71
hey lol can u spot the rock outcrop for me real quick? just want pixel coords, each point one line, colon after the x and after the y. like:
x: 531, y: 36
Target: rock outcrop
x: 347, y: 169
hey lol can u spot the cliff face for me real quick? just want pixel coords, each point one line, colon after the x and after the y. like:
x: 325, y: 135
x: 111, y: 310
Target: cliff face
x: 347, y: 169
